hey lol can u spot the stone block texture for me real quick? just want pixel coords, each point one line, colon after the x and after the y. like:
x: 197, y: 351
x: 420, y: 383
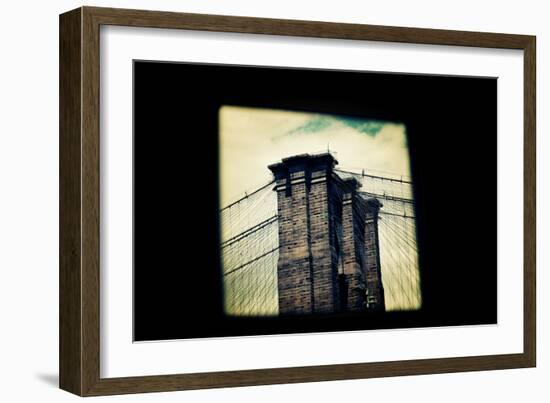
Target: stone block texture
x: 327, y: 233
x: 375, y: 289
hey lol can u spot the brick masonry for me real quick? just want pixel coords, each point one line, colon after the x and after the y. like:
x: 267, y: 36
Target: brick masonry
x: 328, y: 242
x: 375, y: 290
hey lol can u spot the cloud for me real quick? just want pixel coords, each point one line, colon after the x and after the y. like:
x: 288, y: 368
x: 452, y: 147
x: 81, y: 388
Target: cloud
x: 313, y: 125
x: 318, y: 123
x: 370, y: 127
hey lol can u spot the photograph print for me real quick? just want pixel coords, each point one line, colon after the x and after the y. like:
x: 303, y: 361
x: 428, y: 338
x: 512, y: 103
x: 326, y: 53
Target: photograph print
x: 316, y: 236
x: 271, y: 200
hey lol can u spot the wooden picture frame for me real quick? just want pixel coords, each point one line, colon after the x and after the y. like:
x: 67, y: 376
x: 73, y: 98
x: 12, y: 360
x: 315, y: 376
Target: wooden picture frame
x: 79, y: 201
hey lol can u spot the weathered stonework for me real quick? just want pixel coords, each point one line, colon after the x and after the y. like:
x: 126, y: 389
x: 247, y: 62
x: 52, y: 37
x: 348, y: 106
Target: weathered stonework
x: 325, y: 263
x: 375, y: 289
x: 353, y: 229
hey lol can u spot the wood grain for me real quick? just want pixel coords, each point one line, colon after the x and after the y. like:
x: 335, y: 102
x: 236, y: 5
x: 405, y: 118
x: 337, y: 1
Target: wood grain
x: 530, y: 203
x: 70, y: 273
x: 79, y: 200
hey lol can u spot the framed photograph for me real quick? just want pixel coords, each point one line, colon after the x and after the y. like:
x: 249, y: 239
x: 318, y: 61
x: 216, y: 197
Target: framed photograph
x: 249, y: 201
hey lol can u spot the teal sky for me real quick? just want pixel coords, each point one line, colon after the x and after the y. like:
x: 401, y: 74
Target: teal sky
x: 318, y: 123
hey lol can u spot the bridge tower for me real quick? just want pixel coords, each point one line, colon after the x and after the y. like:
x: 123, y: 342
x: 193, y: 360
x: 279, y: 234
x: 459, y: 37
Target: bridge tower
x: 329, y: 258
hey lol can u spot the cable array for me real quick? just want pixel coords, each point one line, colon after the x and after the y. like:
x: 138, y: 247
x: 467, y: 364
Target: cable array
x: 397, y: 236
x: 250, y: 245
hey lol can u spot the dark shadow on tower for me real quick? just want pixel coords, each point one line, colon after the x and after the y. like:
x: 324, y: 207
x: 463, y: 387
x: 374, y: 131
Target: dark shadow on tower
x: 329, y: 258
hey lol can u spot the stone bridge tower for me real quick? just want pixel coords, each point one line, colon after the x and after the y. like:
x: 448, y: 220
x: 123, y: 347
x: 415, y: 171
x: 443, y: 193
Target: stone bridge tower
x: 329, y: 258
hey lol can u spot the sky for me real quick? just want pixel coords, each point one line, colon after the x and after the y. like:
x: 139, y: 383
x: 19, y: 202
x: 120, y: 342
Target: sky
x: 253, y: 138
